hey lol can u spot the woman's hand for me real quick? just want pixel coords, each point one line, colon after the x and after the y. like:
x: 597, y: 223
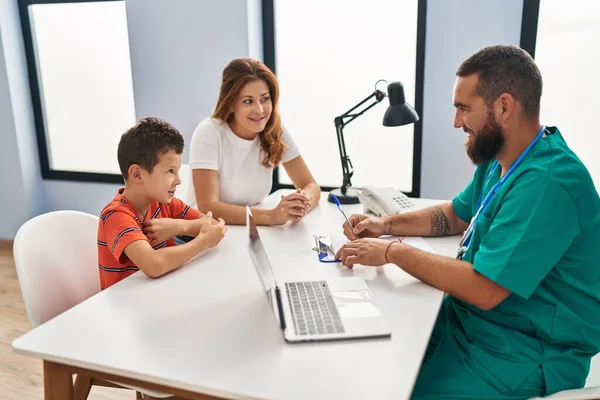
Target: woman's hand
x: 291, y: 207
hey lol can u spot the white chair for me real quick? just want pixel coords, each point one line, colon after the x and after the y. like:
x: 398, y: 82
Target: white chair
x: 56, y: 258
x: 589, y: 392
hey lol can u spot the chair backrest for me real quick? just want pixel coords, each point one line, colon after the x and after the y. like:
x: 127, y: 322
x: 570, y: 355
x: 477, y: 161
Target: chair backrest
x: 185, y: 189
x: 56, y: 258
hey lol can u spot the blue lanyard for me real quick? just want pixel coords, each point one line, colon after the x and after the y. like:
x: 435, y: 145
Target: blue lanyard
x: 482, y: 205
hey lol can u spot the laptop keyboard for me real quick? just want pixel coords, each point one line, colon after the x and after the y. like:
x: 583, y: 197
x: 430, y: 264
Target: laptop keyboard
x: 313, y: 309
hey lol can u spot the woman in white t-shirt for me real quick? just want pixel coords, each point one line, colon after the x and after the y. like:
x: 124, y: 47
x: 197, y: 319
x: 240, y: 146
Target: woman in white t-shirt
x: 233, y: 153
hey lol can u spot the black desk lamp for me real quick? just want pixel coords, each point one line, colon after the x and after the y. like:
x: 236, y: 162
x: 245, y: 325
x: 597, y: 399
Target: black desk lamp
x: 398, y: 113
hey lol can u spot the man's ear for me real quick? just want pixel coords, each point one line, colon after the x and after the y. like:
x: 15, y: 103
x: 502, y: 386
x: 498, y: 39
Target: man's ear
x: 134, y: 173
x: 507, y: 107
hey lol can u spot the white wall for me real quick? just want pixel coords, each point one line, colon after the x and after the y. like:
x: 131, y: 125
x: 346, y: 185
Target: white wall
x: 88, y: 197
x: 255, y: 42
x: 455, y: 30
x: 178, y: 51
x: 179, y: 48
x: 12, y: 196
x: 21, y: 196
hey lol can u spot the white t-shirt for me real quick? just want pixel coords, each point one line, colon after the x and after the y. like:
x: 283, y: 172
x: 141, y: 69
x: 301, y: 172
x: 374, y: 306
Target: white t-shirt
x: 243, y: 180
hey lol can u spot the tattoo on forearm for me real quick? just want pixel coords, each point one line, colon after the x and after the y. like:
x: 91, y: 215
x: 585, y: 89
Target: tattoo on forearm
x: 440, y: 226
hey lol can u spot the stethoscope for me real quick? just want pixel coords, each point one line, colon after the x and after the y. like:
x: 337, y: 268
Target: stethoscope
x: 463, y: 246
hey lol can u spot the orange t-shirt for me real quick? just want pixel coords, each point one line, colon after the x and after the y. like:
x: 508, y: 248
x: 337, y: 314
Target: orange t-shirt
x: 121, y: 225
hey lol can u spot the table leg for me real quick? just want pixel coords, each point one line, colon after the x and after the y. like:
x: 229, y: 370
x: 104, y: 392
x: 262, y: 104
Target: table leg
x: 58, y: 383
x: 82, y: 387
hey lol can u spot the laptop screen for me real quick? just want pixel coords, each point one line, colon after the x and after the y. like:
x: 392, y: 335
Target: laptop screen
x: 259, y: 255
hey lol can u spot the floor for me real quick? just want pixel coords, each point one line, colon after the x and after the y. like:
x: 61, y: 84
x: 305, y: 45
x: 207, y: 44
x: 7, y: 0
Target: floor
x: 21, y: 377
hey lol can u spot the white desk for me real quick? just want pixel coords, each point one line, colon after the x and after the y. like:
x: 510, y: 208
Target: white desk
x: 207, y: 327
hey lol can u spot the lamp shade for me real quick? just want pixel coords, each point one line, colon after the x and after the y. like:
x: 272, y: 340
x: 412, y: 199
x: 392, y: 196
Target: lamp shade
x: 399, y: 112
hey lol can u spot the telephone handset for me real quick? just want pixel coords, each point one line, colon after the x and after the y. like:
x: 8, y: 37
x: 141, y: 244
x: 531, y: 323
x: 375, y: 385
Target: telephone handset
x: 384, y: 201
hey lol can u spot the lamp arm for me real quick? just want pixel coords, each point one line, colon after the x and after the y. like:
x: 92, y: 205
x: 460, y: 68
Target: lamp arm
x: 378, y: 94
x: 354, y: 116
x: 347, y: 168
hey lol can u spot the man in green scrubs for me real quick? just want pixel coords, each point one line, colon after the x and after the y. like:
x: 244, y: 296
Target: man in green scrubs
x: 522, y: 313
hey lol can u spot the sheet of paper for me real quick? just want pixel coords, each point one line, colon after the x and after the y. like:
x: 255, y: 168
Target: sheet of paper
x: 355, y: 303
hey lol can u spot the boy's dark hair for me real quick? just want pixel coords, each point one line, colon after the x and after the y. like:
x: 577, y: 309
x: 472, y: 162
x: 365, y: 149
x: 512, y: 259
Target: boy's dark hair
x: 506, y: 69
x: 145, y: 142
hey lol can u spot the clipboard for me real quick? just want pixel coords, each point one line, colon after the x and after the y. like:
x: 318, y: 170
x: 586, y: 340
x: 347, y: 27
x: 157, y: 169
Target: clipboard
x: 324, y: 248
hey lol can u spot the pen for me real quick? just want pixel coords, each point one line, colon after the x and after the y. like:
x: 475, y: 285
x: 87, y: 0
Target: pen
x: 339, y: 206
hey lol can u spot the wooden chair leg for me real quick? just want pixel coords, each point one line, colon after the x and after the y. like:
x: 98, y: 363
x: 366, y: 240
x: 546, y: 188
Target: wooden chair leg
x: 83, y: 385
x: 139, y: 396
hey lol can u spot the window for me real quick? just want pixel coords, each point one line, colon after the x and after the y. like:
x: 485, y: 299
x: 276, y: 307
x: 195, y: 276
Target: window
x: 562, y: 36
x: 327, y: 57
x: 81, y: 85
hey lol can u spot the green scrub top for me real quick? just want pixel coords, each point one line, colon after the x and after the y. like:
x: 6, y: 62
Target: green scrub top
x: 539, y: 238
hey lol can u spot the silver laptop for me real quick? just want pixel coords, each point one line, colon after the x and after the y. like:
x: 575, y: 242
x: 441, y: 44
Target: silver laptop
x: 331, y: 309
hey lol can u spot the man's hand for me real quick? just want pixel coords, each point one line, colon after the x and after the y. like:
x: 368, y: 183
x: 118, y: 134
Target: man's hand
x: 366, y: 251
x: 160, y: 229
x: 365, y: 227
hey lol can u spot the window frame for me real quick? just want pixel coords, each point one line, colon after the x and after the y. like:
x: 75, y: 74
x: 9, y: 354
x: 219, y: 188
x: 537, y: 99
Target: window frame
x: 36, y: 99
x: 268, y: 22
x: 529, y: 26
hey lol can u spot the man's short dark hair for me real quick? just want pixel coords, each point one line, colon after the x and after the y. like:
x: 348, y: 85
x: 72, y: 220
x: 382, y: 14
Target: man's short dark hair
x: 145, y: 142
x: 506, y: 69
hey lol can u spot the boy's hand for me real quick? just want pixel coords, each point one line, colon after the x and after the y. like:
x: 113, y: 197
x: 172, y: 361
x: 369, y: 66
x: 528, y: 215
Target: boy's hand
x: 213, y: 232
x: 207, y: 218
x: 161, y: 229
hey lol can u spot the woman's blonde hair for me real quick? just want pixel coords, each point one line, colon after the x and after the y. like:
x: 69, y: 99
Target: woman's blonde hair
x: 237, y: 74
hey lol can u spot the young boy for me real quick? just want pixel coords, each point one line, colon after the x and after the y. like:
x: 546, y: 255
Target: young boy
x: 137, y: 227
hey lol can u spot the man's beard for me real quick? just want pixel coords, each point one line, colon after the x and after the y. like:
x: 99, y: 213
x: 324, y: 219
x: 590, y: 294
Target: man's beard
x: 485, y: 144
